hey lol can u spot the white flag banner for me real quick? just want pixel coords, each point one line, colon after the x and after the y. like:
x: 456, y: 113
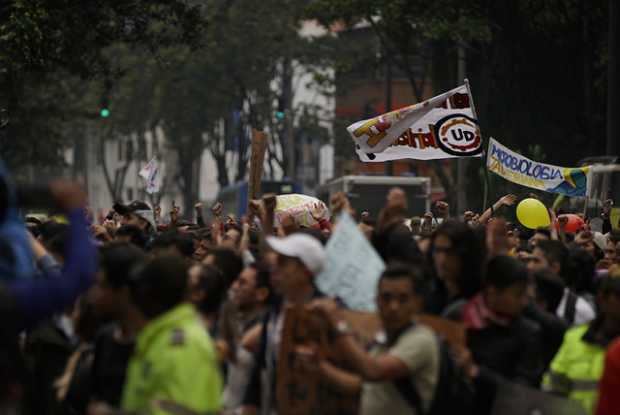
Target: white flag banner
x: 440, y: 127
x: 150, y: 173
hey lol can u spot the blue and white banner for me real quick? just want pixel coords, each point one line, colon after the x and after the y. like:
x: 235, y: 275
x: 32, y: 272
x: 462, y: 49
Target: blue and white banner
x: 518, y: 169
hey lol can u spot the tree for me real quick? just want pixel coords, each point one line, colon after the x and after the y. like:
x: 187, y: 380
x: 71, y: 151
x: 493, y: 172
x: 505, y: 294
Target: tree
x: 536, y: 67
x: 44, y: 45
x: 408, y: 34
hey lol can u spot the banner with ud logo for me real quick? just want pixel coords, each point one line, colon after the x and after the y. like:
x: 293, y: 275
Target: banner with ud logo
x: 521, y: 170
x: 441, y: 127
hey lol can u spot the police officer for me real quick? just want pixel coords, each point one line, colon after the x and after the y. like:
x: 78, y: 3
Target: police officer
x: 174, y: 367
x: 577, y: 368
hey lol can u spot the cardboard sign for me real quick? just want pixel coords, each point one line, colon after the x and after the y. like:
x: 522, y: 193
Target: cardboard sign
x: 300, y: 392
x: 257, y: 159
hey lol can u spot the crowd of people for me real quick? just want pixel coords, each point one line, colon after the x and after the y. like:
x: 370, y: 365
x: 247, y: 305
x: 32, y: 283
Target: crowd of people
x: 140, y: 314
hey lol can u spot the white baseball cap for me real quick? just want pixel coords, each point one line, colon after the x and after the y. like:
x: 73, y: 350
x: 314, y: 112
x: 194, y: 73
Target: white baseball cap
x: 303, y: 247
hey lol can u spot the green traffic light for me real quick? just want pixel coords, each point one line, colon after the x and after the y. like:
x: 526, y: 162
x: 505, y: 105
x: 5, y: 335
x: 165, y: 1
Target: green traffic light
x: 280, y: 115
x: 105, y: 113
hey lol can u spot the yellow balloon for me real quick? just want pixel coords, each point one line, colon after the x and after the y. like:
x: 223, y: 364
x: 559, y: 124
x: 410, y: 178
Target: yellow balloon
x: 533, y: 214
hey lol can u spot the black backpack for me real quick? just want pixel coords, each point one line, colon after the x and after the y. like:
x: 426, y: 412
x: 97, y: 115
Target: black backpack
x: 454, y: 392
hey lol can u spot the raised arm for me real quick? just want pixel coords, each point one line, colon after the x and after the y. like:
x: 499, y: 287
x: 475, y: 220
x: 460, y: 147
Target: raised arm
x: 507, y: 200
x: 38, y: 298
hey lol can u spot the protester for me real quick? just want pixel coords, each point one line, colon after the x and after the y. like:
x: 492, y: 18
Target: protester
x: 207, y: 291
x: 592, y: 242
x: 582, y: 274
x: 26, y: 301
x: 540, y: 234
x: 172, y: 243
x: 111, y: 298
x: 400, y: 375
x: 501, y: 341
x: 250, y: 297
x: 456, y: 253
x: 553, y: 257
x: 202, y: 242
x: 391, y: 237
x: 548, y: 293
x: 131, y: 233
x: 74, y: 387
x: 227, y: 260
x: 300, y: 258
x: 139, y: 214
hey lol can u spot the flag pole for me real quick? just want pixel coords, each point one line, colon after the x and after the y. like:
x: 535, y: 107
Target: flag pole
x: 484, y: 153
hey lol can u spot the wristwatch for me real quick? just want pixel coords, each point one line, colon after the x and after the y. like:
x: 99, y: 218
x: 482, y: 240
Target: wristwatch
x: 342, y: 328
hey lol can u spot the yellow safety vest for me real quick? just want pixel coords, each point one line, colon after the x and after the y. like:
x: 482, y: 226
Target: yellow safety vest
x: 576, y: 369
x: 174, y: 368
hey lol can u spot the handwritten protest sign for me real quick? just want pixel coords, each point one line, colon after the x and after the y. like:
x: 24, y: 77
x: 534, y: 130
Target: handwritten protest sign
x: 441, y: 127
x: 516, y: 168
x: 353, y: 267
x: 301, y: 392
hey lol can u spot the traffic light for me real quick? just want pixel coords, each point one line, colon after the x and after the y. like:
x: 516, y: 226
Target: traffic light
x: 281, y: 110
x: 104, y: 101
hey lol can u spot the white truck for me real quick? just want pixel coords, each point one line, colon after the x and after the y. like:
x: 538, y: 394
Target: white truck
x: 370, y: 192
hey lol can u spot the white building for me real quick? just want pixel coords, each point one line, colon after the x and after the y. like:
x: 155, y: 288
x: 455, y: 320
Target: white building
x: 314, y: 164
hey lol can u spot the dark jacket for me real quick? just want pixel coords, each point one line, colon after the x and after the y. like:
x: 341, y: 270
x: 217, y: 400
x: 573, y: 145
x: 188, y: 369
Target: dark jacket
x: 46, y: 353
x: 551, y: 333
x: 511, y: 352
x: 109, y: 367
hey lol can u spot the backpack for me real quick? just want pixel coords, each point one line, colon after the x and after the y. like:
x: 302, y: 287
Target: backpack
x: 454, y: 392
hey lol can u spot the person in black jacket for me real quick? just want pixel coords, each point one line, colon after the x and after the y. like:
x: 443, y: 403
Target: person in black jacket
x: 548, y: 293
x: 112, y: 299
x: 503, y: 343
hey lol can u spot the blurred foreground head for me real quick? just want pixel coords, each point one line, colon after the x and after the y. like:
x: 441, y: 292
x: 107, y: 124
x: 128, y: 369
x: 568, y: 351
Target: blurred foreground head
x: 160, y: 285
